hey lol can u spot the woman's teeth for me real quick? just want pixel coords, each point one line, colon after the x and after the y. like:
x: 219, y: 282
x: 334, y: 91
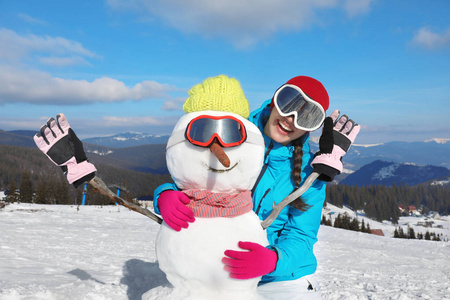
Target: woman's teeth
x: 284, y: 127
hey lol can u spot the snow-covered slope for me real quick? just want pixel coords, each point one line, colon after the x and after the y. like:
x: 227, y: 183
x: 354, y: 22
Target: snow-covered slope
x: 438, y: 140
x: 332, y: 211
x: 128, y: 139
x: 62, y: 253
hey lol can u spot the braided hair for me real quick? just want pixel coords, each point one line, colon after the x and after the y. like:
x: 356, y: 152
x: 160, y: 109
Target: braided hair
x: 316, y: 91
x: 298, y: 203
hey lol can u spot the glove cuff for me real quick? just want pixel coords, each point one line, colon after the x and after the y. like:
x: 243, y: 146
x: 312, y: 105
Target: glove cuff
x: 84, y: 179
x: 332, y: 160
x: 75, y: 172
x: 326, y: 172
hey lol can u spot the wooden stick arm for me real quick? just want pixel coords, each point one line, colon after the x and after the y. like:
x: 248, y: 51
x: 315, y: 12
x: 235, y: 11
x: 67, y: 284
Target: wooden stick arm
x: 98, y: 184
x: 286, y: 201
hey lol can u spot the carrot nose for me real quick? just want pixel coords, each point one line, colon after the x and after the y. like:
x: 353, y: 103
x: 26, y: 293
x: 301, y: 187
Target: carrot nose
x: 217, y: 150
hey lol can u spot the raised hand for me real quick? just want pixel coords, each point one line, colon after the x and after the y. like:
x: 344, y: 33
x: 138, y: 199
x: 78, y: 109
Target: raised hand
x: 337, y: 136
x: 60, y: 143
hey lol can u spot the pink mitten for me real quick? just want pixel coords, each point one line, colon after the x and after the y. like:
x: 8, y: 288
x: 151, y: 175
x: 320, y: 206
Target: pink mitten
x: 173, y: 209
x: 60, y: 143
x: 337, y: 137
x: 255, y: 262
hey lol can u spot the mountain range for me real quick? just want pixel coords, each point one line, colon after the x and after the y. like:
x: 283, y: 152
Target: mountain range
x: 128, y: 139
x: 406, y: 162
x: 387, y: 173
x: 432, y: 152
x: 21, y: 138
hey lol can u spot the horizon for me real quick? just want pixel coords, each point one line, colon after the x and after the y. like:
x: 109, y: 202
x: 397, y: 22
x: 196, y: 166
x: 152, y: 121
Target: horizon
x: 314, y: 137
x: 126, y: 65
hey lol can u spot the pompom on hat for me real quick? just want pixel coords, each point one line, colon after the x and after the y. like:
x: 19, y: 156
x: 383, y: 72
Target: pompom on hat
x: 219, y: 93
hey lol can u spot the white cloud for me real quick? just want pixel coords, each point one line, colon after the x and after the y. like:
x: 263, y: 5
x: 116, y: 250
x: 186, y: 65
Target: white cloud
x: 17, y: 123
x: 244, y: 23
x: 357, y: 7
x: 106, y: 125
x: 16, y: 46
x: 63, y: 61
x: 114, y: 124
x: 40, y: 87
x: 174, y: 104
x: 131, y: 121
x: 31, y: 20
x: 428, y: 39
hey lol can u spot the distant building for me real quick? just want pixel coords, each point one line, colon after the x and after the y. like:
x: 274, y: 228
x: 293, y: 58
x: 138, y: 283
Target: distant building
x: 434, y: 215
x: 377, y: 232
x: 2, y: 199
x: 427, y: 224
x: 145, y: 201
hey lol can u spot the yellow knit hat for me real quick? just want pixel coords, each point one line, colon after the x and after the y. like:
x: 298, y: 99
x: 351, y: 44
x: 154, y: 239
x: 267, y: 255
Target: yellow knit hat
x: 219, y: 93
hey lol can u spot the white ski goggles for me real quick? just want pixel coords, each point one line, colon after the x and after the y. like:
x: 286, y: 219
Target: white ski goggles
x: 291, y: 100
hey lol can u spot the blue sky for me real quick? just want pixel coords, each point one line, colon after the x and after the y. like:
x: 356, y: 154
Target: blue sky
x: 115, y: 65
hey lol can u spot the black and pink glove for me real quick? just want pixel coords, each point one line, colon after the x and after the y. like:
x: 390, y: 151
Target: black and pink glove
x: 173, y: 209
x: 337, y: 137
x: 59, y: 142
x: 256, y: 261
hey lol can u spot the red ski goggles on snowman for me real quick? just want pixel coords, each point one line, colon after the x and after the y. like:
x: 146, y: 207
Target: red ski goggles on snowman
x: 203, y: 130
x: 291, y: 100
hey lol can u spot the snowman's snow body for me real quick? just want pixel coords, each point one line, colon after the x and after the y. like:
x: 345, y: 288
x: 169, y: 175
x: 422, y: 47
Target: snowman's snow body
x: 191, y: 258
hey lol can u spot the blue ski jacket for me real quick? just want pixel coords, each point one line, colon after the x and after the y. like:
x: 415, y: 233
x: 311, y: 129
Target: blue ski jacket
x: 293, y: 234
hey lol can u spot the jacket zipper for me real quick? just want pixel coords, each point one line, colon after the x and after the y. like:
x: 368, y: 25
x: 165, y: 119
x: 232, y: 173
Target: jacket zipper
x: 260, y: 202
x: 266, y: 164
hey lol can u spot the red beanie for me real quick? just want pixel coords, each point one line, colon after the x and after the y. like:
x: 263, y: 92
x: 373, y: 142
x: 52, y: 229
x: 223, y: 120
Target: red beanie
x: 313, y: 88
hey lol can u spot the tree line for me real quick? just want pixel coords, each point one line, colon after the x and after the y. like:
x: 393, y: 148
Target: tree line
x: 53, y: 188
x: 410, y: 234
x: 345, y: 222
x: 29, y: 176
x: 382, y: 203
x: 378, y: 202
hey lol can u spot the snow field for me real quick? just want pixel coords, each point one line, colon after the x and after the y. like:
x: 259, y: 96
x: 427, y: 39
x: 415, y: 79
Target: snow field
x: 57, y: 253
x: 354, y: 265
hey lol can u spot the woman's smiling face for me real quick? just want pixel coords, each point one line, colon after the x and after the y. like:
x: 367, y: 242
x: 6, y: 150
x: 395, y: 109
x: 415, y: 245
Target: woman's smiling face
x: 281, y: 129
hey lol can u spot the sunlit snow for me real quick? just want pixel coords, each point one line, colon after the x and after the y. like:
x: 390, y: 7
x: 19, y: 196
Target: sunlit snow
x: 63, y: 252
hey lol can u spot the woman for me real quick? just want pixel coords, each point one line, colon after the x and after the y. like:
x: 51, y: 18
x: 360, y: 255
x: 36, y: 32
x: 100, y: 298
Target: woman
x: 288, y: 263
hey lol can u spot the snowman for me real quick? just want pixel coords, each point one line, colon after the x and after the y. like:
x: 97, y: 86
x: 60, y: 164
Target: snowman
x: 214, y: 156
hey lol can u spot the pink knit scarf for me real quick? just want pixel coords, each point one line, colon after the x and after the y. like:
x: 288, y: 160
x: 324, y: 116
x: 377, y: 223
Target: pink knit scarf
x: 206, y: 204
